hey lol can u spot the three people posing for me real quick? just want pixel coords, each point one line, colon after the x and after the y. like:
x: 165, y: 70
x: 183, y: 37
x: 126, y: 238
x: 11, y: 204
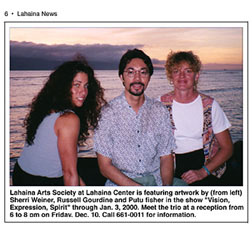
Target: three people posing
x: 136, y: 136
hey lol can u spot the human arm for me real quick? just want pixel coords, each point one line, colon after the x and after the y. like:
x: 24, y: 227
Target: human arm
x: 166, y: 169
x: 67, y: 130
x: 82, y: 183
x: 109, y: 171
x: 223, y: 154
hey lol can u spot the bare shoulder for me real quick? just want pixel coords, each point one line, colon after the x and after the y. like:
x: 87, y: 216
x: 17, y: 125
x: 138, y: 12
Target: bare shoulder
x: 69, y: 116
x: 68, y: 120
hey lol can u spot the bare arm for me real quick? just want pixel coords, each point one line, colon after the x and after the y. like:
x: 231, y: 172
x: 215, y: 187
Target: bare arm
x: 167, y: 169
x: 109, y: 171
x: 224, y: 153
x: 67, y: 129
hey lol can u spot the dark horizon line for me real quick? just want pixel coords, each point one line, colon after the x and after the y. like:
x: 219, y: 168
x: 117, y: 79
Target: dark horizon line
x: 155, y: 68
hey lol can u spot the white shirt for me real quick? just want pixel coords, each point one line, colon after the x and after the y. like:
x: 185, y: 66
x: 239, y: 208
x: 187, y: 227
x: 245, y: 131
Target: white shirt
x: 188, y: 119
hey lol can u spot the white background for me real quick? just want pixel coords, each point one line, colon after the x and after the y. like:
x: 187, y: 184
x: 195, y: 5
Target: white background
x: 112, y: 10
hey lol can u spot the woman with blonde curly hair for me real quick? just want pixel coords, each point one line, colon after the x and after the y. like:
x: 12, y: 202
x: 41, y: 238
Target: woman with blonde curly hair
x: 199, y: 124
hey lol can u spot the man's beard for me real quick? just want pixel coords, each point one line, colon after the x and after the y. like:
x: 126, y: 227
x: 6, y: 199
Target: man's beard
x: 136, y: 93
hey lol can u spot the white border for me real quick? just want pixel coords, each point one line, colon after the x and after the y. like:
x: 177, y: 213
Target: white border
x: 8, y: 25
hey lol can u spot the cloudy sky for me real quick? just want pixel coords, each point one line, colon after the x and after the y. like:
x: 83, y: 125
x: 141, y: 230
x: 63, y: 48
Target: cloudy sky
x: 45, y: 48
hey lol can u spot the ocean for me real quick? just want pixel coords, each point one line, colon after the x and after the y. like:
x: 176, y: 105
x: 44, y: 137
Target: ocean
x: 226, y: 86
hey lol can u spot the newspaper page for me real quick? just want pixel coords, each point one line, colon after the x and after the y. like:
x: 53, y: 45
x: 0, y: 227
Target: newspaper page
x: 37, y: 39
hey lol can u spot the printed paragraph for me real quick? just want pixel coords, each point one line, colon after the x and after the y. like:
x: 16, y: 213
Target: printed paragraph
x: 125, y: 205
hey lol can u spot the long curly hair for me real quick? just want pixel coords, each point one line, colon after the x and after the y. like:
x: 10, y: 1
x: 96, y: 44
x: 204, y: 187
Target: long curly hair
x: 55, y: 96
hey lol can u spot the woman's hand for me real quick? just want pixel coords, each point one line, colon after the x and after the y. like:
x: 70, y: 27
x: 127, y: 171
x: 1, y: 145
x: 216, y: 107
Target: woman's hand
x: 223, y: 154
x: 192, y: 176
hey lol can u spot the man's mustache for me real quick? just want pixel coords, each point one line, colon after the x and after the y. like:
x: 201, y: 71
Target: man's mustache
x: 138, y: 83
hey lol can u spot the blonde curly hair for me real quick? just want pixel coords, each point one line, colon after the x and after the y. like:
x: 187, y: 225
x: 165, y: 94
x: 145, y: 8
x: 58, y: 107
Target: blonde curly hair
x: 175, y: 58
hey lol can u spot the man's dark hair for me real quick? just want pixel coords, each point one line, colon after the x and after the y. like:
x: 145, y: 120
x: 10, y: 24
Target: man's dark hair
x: 132, y: 54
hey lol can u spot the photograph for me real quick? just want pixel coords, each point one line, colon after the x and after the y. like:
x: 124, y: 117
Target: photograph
x: 125, y: 120
x: 195, y: 72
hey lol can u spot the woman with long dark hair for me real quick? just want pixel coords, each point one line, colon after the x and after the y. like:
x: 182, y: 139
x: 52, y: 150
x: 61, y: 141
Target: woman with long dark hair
x: 60, y: 115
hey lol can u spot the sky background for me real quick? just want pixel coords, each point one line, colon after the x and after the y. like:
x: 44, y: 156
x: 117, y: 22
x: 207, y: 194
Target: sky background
x: 45, y: 48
